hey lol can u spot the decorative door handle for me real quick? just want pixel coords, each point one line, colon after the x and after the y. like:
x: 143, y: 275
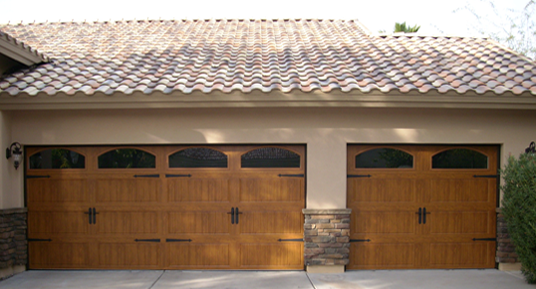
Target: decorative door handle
x: 89, y: 214
x: 232, y: 215
x: 420, y: 215
x: 237, y: 213
x: 95, y: 216
x: 424, y: 213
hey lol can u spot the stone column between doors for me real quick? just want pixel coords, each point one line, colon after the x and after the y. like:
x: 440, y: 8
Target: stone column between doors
x: 13, y: 241
x: 326, y: 240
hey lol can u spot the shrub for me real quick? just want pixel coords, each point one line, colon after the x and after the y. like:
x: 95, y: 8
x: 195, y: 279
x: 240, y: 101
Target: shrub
x: 519, y: 209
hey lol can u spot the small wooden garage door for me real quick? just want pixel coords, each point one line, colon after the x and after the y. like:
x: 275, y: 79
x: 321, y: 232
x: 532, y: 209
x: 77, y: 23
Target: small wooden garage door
x: 165, y: 207
x: 417, y: 207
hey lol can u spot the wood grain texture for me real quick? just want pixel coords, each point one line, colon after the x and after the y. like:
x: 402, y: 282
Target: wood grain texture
x: 385, y: 206
x: 179, y: 216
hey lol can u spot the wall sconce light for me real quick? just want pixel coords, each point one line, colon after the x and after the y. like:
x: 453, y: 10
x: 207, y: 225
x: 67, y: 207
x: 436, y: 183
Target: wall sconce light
x: 15, y: 151
x: 531, y: 148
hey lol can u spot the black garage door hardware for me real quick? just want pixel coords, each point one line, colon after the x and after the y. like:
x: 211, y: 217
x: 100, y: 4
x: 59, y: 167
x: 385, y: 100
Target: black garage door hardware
x: 38, y: 177
x: 234, y: 215
x: 178, y: 240
x: 290, y: 240
x: 359, y: 240
x: 358, y: 176
x: 486, y: 176
x: 39, y: 240
x: 147, y: 240
x: 92, y: 215
x: 291, y: 175
x: 147, y: 176
x: 178, y: 176
x: 422, y: 215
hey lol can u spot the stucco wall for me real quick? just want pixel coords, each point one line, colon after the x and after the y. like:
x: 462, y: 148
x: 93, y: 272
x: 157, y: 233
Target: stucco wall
x: 7, y: 172
x: 326, y: 132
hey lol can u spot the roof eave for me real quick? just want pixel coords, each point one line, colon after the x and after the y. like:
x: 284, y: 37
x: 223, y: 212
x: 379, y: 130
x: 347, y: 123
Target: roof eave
x: 19, y: 51
x: 260, y: 99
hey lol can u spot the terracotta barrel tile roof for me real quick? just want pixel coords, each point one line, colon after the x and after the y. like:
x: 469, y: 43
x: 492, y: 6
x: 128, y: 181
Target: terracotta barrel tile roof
x: 266, y: 55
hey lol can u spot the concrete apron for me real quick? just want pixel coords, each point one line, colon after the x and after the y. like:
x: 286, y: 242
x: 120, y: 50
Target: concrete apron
x: 157, y: 279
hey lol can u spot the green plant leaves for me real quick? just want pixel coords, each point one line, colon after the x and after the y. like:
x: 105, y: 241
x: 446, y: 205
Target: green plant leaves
x: 519, y: 209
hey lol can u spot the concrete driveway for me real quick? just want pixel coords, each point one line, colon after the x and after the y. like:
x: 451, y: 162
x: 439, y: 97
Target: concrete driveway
x: 401, y: 279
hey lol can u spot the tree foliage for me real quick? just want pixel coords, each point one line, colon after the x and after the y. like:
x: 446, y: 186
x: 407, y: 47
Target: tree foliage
x: 402, y: 27
x: 519, y: 209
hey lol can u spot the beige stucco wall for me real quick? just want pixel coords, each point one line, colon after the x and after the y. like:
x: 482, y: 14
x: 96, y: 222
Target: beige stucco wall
x: 326, y: 132
x: 8, y: 197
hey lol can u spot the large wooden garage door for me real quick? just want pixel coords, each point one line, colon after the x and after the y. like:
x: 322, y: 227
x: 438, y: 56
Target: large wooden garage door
x: 422, y: 206
x: 165, y: 207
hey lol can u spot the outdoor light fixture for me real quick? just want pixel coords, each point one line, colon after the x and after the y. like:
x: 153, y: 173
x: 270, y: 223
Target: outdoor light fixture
x: 531, y: 148
x: 15, y: 151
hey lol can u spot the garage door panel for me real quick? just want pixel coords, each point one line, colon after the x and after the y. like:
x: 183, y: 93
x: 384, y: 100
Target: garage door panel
x: 125, y: 255
x: 57, y: 255
x: 127, y: 190
x: 461, y: 222
x: 455, y: 208
x: 198, y: 255
x: 382, y: 190
x: 201, y: 222
x: 57, y: 191
x: 214, y: 189
x: 169, y: 207
x: 271, y: 189
x: 382, y: 222
x: 462, y: 255
x: 60, y: 222
x: 271, y: 222
x: 464, y: 190
x: 120, y: 222
x: 271, y: 255
x: 384, y: 256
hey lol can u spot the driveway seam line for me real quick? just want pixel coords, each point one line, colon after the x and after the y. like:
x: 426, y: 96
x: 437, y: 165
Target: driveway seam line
x: 310, y: 281
x: 152, y: 285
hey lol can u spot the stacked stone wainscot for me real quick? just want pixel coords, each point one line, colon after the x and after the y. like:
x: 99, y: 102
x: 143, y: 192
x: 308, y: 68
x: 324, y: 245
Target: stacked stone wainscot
x: 13, y: 241
x: 505, y: 248
x: 327, y: 237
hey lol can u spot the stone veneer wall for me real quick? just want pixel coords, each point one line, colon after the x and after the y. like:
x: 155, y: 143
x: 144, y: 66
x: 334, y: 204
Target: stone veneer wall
x: 505, y: 249
x: 327, y: 237
x: 13, y: 238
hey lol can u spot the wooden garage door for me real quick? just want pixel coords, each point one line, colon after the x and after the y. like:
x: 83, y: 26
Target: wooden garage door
x: 422, y: 206
x: 166, y: 207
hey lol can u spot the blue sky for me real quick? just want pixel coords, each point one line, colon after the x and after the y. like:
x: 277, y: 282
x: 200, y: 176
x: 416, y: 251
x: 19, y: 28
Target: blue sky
x: 435, y: 17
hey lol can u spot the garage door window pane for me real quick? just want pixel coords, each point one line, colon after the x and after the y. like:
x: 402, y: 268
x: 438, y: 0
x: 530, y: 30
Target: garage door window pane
x: 270, y: 158
x: 126, y: 159
x: 57, y: 159
x: 460, y: 159
x: 198, y: 158
x: 384, y: 158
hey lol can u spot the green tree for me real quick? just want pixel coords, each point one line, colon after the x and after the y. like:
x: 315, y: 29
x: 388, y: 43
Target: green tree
x: 402, y: 27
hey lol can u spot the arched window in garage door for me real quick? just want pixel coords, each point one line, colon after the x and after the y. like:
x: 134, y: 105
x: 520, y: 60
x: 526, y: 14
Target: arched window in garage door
x: 126, y: 158
x: 57, y: 158
x: 198, y: 158
x: 460, y: 159
x: 270, y: 157
x: 384, y: 158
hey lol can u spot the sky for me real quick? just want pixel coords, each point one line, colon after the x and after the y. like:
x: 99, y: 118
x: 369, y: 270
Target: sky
x: 434, y: 17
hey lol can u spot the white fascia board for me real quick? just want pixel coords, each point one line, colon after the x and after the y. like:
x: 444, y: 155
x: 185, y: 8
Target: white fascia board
x: 258, y: 99
x: 19, y: 51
